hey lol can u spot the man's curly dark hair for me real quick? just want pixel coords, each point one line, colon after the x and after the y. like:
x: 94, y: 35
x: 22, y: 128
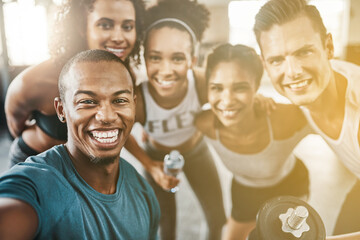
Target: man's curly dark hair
x: 69, y: 33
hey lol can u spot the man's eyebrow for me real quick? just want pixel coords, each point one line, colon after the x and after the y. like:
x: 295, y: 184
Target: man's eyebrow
x: 305, y: 47
x: 125, y: 91
x: 93, y: 94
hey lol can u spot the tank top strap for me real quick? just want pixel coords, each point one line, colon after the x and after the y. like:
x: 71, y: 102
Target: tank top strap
x: 271, y: 134
x: 217, y: 134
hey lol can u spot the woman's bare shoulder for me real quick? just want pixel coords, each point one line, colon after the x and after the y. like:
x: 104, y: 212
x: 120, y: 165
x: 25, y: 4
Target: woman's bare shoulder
x: 286, y: 120
x: 205, y: 122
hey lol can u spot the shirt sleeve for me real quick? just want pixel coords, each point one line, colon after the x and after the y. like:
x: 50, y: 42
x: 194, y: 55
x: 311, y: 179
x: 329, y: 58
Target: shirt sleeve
x: 18, y: 184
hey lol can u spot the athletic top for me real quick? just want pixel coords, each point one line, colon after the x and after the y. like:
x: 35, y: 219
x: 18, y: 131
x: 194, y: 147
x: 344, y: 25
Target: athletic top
x: 265, y: 168
x: 51, y: 125
x: 346, y: 147
x: 172, y: 127
x: 68, y: 208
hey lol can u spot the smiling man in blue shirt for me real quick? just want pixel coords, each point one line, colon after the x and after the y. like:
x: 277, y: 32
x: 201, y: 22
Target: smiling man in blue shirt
x: 83, y: 189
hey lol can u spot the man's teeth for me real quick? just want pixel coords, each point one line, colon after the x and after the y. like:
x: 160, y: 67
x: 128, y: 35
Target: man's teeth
x: 299, y: 84
x: 106, y: 136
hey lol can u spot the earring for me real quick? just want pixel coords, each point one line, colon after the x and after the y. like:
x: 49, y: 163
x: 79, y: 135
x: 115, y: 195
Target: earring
x: 62, y: 118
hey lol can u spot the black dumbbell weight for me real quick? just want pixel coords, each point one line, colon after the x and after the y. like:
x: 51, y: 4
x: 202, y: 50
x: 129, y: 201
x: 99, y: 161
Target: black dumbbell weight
x: 287, y: 218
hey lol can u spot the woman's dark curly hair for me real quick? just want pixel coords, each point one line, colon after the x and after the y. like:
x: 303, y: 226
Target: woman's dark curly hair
x: 69, y: 32
x: 244, y: 56
x: 195, y: 15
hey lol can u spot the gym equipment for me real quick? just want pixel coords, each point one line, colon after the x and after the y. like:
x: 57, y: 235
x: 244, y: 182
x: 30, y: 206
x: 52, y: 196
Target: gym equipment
x: 287, y: 218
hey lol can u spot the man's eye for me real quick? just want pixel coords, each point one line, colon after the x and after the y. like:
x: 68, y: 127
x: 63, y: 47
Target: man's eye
x: 275, y: 62
x: 121, y: 100
x: 305, y: 53
x: 87, y: 101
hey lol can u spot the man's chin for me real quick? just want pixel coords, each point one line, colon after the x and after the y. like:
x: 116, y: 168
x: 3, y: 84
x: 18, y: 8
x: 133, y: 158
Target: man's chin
x: 104, y: 160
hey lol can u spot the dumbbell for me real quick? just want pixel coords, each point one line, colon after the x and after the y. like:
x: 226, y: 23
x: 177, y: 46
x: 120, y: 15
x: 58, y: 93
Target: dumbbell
x: 287, y: 218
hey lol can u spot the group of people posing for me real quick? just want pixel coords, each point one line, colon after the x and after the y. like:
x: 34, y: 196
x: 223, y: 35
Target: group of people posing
x: 71, y: 115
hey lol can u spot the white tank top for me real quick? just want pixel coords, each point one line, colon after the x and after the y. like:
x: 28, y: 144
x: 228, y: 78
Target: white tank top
x: 265, y: 168
x: 346, y: 147
x: 172, y: 127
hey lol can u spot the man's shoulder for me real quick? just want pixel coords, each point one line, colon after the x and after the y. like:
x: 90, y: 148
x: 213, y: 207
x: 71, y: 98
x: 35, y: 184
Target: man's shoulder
x: 351, y: 72
x: 133, y: 178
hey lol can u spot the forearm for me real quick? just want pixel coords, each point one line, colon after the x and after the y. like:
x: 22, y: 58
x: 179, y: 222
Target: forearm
x: 348, y: 236
x: 133, y: 147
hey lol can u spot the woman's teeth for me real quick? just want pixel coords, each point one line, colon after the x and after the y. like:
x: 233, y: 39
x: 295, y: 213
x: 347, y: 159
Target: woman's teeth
x: 229, y: 113
x: 115, y: 50
x: 165, y: 83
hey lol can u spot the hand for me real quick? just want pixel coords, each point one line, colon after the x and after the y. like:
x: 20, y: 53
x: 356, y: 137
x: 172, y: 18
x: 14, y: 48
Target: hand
x: 166, y: 182
x: 264, y: 104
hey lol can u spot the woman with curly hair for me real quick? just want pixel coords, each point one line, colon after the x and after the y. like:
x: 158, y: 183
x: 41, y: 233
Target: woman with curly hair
x: 166, y: 106
x: 112, y: 25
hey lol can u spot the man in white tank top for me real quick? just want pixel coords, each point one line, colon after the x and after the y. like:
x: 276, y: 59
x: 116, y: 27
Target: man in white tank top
x: 296, y: 51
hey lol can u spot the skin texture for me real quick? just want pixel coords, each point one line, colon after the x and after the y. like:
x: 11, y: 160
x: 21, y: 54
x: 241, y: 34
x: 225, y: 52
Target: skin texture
x: 167, y: 63
x: 168, y: 58
x: 231, y: 94
x: 111, y: 27
x: 95, y: 100
x: 297, y: 56
x: 36, y: 87
x: 99, y: 99
x: 293, y: 53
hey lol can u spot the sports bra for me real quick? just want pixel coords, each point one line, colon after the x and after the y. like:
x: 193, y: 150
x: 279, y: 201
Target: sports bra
x: 266, y: 167
x: 51, y: 125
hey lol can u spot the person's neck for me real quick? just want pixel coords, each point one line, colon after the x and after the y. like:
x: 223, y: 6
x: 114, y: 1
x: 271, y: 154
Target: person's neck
x: 247, y: 125
x: 332, y: 99
x: 101, y: 177
x: 170, y: 101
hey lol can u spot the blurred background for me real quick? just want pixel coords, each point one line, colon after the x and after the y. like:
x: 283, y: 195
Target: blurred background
x: 25, y: 27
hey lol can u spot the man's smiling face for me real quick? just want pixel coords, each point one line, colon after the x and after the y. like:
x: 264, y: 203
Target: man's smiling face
x: 297, y: 60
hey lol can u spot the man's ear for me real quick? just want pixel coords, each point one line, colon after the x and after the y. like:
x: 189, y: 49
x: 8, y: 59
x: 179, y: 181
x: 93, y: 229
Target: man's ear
x: 329, y: 46
x: 59, y: 107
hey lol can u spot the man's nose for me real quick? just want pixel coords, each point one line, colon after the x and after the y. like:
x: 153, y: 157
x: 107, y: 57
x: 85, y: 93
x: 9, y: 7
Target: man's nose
x: 106, y: 114
x: 293, y: 68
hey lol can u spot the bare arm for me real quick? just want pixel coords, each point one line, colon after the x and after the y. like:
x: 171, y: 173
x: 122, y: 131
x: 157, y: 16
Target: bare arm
x: 205, y: 123
x: 33, y: 89
x: 348, y: 236
x: 155, y: 168
x: 18, y: 104
x: 18, y: 220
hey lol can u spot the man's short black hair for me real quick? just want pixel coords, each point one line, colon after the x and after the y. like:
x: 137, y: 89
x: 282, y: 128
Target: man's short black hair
x: 89, y: 56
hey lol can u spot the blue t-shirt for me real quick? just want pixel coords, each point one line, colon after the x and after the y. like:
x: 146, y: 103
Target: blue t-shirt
x: 68, y: 208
